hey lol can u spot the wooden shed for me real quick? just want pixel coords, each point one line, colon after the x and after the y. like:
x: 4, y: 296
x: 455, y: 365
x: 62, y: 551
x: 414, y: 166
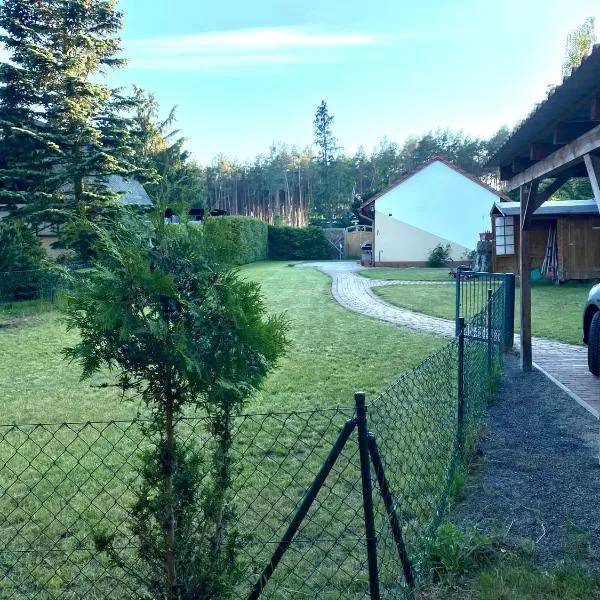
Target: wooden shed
x: 564, y: 239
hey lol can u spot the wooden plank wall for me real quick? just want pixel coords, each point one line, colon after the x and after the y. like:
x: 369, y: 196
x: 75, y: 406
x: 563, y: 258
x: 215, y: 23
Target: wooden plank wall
x: 579, y: 247
x: 578, y: 240
x: 353, y: 240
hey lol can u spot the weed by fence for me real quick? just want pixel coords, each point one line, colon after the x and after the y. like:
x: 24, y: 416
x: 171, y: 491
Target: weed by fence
x: 64, y: 484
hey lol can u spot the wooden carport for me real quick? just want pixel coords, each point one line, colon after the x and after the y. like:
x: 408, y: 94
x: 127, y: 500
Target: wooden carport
x: 558, y: 141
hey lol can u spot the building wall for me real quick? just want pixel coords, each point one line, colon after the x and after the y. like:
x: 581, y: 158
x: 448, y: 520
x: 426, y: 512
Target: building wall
x: 578, y: 239
x: 404, y: 244
x: 436, y: 205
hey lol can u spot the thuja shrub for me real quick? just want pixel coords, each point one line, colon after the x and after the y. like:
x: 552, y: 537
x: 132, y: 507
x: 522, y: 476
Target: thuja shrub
x: 235, y: 240
x: 298, y: 243
x: 439, y: 256
x: 181, y: 332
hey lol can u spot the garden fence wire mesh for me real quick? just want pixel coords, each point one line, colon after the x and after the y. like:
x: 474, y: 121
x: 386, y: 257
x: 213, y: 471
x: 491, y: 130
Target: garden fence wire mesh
x: 62, y: 484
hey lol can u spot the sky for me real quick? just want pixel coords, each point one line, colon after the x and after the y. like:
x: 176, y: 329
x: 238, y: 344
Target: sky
x: 247, y: 73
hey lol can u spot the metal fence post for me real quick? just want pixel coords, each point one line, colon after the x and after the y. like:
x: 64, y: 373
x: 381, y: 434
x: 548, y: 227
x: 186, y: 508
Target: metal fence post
x: 367, y: 493
x: 457, y: 310
x: 489, y: 331
x: 509, y: 312
x: 303, y: 509
x: 461, y: 383
x: 388, y: 501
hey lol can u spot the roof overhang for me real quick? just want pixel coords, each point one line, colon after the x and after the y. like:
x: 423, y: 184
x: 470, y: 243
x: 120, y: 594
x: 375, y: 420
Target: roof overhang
x: 558, y: 133
x: 550, y: 208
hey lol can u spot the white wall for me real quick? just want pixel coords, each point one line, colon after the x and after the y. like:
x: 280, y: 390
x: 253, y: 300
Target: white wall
x: 396, y: 241
x: 437, y: 201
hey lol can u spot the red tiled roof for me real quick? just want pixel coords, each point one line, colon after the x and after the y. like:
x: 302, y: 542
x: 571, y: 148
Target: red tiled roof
x: 431, y: 160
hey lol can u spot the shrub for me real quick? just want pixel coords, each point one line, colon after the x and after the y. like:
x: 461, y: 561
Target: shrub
x: 293, y: 243
x: 439, y: 256
x: 23, y: 262
x: 180, y: 332
x: 235, y: 240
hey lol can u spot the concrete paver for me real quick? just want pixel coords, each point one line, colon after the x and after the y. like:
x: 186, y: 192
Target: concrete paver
x: 564, y: 364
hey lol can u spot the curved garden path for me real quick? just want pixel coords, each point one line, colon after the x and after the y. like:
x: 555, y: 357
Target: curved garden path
x: 564, y: 364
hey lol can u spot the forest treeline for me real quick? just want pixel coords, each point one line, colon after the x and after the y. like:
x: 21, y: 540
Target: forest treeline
x: 64, y: 132
x: 292, y: 186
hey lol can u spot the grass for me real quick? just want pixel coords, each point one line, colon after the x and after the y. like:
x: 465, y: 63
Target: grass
x: 333, y: 353
x: 408, y: 274
x: 488, y: 567
x: 522, y: 580
x: 556, y: 310
x: 72, y: 479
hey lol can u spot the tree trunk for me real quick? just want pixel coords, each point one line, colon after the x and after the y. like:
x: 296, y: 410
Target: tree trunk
x: 169, y: 523
x: 222, y: 481
x: 78, y: 188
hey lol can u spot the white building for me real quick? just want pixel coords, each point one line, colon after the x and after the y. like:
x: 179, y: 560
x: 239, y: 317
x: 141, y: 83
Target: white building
x: 437, y: 203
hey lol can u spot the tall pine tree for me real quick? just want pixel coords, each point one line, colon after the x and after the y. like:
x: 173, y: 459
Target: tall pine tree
x: 325, y: 201
x: 62, y: 132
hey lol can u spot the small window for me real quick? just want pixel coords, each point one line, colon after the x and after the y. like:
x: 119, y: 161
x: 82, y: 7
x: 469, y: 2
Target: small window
x: 505, y: 235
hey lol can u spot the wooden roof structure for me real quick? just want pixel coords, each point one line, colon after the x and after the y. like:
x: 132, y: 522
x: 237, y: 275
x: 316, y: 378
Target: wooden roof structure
x: 559, y: 140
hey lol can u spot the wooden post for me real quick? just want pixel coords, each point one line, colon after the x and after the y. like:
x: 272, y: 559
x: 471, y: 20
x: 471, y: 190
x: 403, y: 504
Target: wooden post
x: 524, y: 272
x: 592, y: 164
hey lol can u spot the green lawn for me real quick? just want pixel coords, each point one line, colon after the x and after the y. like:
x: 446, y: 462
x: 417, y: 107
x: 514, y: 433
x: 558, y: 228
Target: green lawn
x: 556, y: 310
x: 74, y: 479
x: 333, y: 352
x: 409, y: 274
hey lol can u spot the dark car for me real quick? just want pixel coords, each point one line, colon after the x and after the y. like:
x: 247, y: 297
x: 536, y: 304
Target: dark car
x: 591, y: 329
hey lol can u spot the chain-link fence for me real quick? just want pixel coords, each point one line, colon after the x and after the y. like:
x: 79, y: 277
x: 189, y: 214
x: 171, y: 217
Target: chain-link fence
x: 323, y: 509
x: 23, y: 293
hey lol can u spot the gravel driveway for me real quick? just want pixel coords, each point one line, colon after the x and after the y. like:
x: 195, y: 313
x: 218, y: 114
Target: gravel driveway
x: 540, y: 466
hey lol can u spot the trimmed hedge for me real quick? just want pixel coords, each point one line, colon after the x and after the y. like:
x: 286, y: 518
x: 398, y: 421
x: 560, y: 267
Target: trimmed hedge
x: 293, y: 243
x: 236, y: 240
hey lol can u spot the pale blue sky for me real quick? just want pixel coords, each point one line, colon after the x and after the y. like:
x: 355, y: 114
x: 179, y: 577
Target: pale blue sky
x: 246, y: 73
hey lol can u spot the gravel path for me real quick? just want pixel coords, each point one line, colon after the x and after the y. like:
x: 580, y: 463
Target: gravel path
x: 540, y: 467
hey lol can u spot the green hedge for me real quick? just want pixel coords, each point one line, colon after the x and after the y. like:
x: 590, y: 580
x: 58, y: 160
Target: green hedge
x: 292, y: 243
x: 236, y: 240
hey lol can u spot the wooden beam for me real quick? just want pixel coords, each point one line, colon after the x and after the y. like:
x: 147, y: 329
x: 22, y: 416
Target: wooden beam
x: 567, y: 131
x: 538, y: 150
x: 592, y: 164
x: 520, y: 163
x: 559, y: 160
x: 506, y: 173
x: 595, y: 108
x: 550, y: 189
x: 528, y: 199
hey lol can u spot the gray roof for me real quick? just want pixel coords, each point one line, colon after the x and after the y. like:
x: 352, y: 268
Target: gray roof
x: 551, y: 207
x: 133, y: 191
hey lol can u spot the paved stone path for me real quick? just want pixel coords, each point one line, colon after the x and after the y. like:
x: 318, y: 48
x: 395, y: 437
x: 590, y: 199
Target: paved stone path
x: 564, y: 364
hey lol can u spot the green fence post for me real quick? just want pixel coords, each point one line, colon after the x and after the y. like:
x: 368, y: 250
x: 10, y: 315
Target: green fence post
x: 509, y: 311
x: 489, y: 331
x: 367, y: 493
x: 461, y: 383
x: 457, y: 310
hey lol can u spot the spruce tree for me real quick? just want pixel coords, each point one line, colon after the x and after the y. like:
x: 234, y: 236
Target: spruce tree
x: 62, y: 132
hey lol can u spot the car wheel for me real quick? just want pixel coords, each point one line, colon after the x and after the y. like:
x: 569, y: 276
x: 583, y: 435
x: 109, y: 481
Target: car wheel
x: 594, y: 345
